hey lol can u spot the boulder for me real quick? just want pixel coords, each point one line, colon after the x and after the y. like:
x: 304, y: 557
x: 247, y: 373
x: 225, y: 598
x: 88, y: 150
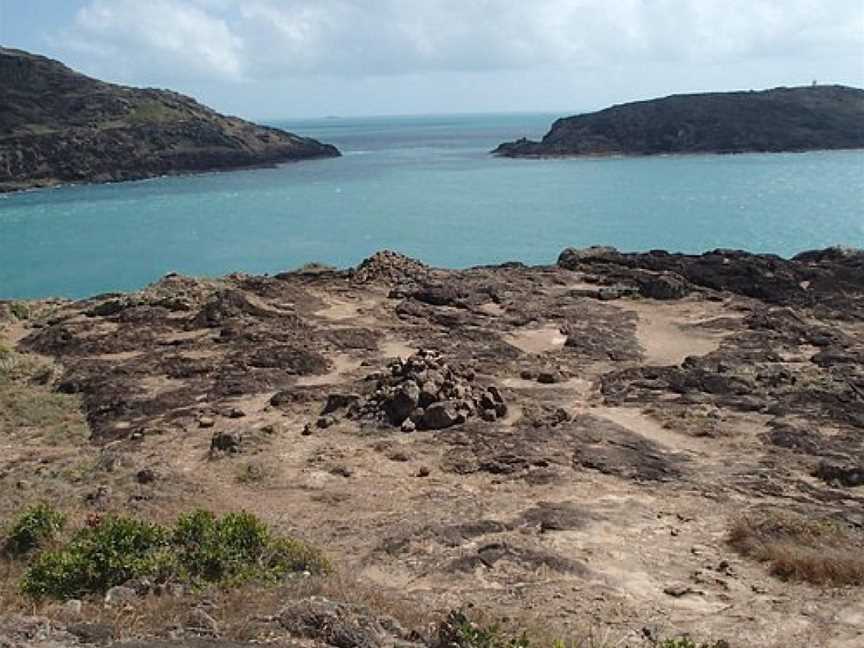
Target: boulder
x: 444, y: 414
x: 665, y: 285
x: 572, y: 258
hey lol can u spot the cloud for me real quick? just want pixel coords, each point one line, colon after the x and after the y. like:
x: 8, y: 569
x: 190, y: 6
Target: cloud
x: 135, y: 39
x: 264, y: 39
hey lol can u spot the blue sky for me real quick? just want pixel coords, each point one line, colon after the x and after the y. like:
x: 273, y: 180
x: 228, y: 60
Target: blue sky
x: 296, y: 58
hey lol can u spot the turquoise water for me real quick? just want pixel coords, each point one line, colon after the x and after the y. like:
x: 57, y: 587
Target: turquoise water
x: 424, y: 186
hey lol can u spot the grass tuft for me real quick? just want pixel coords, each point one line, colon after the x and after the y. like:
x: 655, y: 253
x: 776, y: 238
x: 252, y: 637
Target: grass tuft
x: 818, y: 551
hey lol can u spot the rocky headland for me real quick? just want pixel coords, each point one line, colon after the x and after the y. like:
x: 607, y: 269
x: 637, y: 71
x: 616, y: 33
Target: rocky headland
x: 781, y: 119
x: 622, y: 446
x: 58, y: 126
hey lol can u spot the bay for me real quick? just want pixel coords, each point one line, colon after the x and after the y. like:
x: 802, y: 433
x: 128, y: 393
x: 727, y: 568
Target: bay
x: 425, y: 186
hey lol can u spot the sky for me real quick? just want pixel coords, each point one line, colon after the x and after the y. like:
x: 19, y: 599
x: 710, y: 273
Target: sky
x: 271, y: 59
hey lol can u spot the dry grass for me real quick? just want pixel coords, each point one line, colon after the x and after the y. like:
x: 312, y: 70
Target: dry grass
x: 27, y: 402
x: 818, y: 551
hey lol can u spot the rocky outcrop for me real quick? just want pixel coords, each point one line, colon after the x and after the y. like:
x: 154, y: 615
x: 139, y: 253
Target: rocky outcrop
x: 781, y: 119
x: 830, y: 279
x: 59, y: 126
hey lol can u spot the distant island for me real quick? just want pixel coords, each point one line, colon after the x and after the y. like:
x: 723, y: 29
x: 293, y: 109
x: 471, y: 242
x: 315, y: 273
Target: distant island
x: 781, y: 119
x: 58, y: 126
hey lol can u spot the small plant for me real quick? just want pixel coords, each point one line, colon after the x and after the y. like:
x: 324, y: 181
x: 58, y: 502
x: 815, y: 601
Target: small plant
x: 33, y: 528
x: 251, y: 474
x: 459, y: 630
x: 19, y: 310
x: 687, y: 642
x: 199, y: 549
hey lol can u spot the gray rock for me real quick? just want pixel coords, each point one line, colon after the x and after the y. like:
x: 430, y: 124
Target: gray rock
x: 403, y: 402
x: 73, y: 606
x: 339, y: 401
x: 443, y: 415
x: 549, y: 377
x: 120, y: 595
x: 667, y: 285
x: 340, y: 625
x: 226, y: 442
x: 573, y: 257
x: 849, y: 476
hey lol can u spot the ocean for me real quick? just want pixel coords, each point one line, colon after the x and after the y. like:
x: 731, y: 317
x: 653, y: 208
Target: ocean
x: 424, y: 186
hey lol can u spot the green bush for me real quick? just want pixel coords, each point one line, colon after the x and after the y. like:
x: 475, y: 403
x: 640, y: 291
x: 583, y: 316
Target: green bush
x: 201, y: 548
x: 20, y: 310
x: 97, y: 558
x: 32, y: 529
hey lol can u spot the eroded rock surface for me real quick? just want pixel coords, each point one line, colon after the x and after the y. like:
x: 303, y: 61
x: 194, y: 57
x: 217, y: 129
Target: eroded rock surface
x: 579, y: 435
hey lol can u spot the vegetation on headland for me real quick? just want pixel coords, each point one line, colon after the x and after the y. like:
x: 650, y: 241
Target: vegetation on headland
x: 110, y: 550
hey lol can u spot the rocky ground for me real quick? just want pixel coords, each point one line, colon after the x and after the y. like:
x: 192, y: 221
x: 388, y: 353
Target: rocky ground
x: 567, y: 445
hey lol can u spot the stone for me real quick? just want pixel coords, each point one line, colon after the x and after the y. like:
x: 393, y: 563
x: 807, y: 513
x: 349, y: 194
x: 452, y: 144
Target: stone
x: 571, y: 258
x: 120, y: 595
x: 339, y: 401
x: 666, y: 285
x: 226, y: 442
x: 849, y: 476
x: 423, y: 471
x: 206, y: 422
x: 402, y: 403
x: 325, y: 422
x: 145, y: 476
x: 73, y: 606
x: 442, y: 415
x: 408, y: 425
x: 92, y: 633
x: 549, y: 377
x: 342, y: 471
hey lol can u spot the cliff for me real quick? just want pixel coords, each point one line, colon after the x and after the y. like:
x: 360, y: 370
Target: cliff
x: 59, y: 126
x: 782, y: 119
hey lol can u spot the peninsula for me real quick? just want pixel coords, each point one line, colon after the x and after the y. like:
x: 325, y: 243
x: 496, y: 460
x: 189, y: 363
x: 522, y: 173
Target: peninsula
x: 58, y: 126
x: 782, y: 119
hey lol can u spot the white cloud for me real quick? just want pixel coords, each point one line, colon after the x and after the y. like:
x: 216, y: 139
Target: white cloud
x: 263, y: 39
x: 135, y: 38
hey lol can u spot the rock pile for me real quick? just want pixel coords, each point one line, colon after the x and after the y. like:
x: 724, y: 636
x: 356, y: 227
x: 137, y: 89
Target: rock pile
x: 426, y: 393
x: 389, y: 267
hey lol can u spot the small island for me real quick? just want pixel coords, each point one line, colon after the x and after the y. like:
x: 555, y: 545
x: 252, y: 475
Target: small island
x: 58, y: 126
x: 777, y: 120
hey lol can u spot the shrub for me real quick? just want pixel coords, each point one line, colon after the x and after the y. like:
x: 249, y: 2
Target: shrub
x: 201, y: 548
x: 20, y: 310
x: 33, y: 528
x: 99, y: 557
x: 819, y: 551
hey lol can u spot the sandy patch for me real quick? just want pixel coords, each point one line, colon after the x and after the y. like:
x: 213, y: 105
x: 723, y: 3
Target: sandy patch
x: 539, y: 340
x: 670, y: 333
